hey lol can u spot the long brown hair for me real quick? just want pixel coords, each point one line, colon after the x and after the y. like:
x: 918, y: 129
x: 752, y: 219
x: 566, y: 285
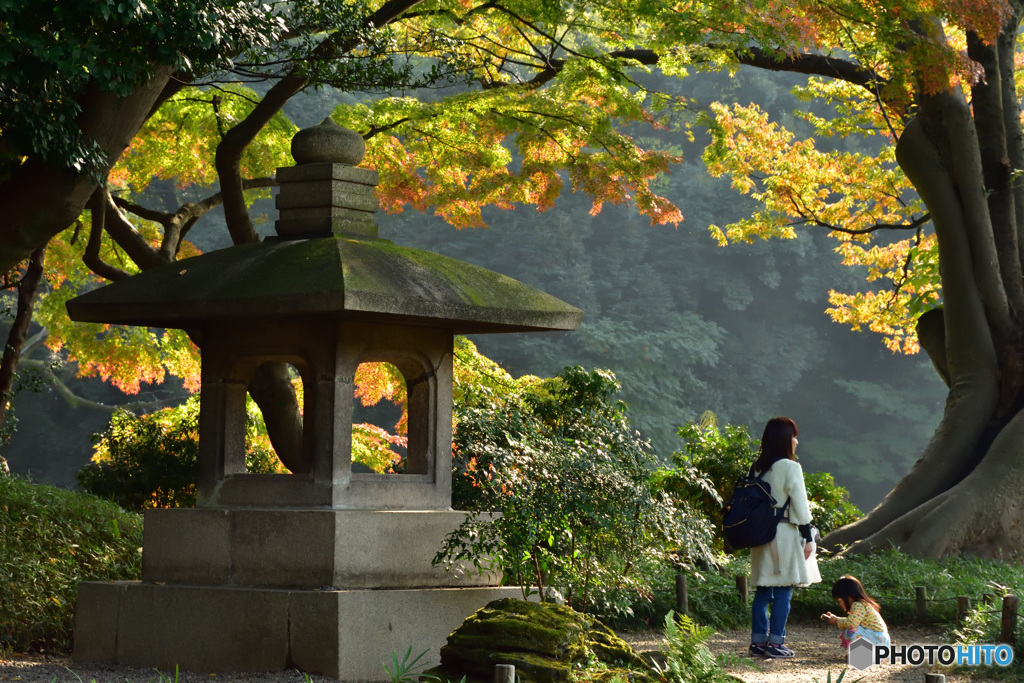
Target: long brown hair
x: 849, y: 588
x: 776, y: 443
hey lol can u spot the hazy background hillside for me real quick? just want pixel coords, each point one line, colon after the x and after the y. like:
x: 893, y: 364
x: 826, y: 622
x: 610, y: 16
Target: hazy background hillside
x: 687, y: 326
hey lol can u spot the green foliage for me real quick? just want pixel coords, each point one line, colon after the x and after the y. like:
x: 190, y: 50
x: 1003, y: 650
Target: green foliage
x: 720, y: 455
x: 840, y: 678
x: 830, y: 503
x: 570, y: 476
x: 983, y: 625
x: 712, y: 595
x: 889, y: 576
x: 152, y: 460
x: 725, y: 454
x: 52, y: 52
x: 179, y: 141
x: 52, y: 539
x: 404, y: 671
x: 688, y: 327
x: 687, y: 657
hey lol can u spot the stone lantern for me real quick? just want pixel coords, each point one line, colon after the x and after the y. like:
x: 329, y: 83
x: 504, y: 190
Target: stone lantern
x: 326, y: 569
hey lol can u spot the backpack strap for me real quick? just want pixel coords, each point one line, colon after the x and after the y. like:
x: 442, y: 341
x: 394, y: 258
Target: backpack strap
x: 781, y: 512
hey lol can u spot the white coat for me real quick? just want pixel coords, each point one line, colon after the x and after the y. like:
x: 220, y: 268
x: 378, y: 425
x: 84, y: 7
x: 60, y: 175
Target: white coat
x: 786, y: 478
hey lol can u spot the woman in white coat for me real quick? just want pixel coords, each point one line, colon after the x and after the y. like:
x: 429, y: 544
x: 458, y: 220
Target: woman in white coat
x: 788, y: 561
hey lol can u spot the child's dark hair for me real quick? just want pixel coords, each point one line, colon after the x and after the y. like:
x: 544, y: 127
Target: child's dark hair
x: 850, y: 588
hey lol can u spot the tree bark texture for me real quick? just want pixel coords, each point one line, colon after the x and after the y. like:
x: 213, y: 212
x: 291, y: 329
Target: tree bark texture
x: 964, y: 493
x: 41, y: 199
x: 272, y: 389
x: 27, y: 289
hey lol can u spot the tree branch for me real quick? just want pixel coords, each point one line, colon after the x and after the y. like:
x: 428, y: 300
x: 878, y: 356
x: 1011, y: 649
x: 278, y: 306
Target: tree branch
x: 91, y: 257
x: 812, y: 65
x: 127, y: 237
x: 176, y: 224
x: 913, y: 225
x: 35, y: 340
x: 809, y: 64
x: 76, y: 401
x: 235, y: 141
x: 31, y: 216
x: 27, y: 290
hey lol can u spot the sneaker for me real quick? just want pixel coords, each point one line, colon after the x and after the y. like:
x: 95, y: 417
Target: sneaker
x: 777, y: 651
x: 758, y: 649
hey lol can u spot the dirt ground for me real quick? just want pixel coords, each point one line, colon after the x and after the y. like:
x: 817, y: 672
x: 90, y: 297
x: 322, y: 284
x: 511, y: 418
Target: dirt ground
x: 818, y: 656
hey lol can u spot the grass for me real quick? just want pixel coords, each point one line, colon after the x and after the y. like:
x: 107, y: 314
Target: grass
x: 890, y: 577
x: 52, y: 540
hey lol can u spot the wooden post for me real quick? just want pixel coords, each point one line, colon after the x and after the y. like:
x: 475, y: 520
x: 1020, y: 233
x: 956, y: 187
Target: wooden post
x: 741, y: 586
x: 963, y: 606
x: 934, y: 678
x: 1008, y: 626
x: 682, y: 597
x: 504, y: 673
x: 921, y: 595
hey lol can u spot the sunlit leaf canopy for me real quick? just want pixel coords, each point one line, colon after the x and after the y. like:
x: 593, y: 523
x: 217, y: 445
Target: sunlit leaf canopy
x: 502, y: 104
x: 53, y: 52
x: 871, y: 68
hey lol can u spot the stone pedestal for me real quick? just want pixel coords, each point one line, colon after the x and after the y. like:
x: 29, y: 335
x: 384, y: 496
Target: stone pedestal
x: 322, y: 549
x: 326, y: 591
x: 346, y: 634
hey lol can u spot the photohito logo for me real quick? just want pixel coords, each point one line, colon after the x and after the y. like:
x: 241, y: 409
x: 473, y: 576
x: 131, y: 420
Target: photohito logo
x: 864, y: 654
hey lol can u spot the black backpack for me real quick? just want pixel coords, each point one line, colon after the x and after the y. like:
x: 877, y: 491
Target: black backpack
x: 750, y: 518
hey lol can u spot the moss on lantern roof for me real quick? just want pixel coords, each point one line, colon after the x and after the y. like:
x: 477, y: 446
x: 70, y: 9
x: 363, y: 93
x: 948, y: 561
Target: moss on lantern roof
x: 330, y: 276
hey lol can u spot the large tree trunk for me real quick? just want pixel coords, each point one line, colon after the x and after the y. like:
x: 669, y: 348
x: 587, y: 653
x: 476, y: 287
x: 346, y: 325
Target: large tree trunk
x: 271, y: 389
x: 983, y: 514
x: 41, y: 199
x: 964, y: 494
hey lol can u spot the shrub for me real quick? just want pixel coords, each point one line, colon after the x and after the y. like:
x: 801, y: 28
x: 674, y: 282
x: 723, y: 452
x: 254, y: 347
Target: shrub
x: 570, y: 476
x: 830, y: 503
x: 713, y: 599
x: 983, y: 625
x: 723, y: 455
x: 152, y: 460
x: 52, y: 539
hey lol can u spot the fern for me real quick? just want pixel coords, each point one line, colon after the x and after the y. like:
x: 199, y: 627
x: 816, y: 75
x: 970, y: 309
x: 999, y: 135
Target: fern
x: 687, y: 656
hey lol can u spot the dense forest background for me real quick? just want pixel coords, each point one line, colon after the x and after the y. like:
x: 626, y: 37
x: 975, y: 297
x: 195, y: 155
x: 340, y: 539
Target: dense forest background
x: 686, y: 325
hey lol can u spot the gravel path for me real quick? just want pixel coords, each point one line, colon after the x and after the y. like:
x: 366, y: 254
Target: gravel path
x: 817, y: 655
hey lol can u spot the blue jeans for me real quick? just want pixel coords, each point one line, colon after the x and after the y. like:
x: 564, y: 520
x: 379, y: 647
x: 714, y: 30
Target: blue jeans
x: 771, y: 630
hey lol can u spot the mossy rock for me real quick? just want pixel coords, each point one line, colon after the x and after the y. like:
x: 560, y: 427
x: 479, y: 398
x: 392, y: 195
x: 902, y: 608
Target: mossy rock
x: 546, y: 643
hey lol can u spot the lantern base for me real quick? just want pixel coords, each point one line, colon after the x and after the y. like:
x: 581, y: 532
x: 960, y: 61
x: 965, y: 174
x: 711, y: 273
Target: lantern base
x: 346, y: 634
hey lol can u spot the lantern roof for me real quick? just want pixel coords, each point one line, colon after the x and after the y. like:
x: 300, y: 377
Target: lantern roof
x: 326, y: 261
x: 335, y: 276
